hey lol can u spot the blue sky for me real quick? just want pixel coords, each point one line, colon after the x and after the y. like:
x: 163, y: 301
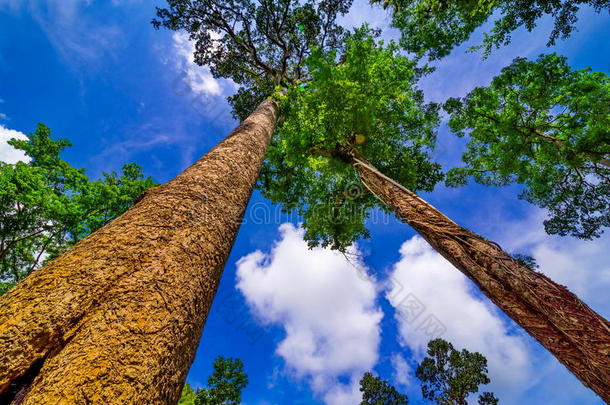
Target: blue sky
x: 306, y: 323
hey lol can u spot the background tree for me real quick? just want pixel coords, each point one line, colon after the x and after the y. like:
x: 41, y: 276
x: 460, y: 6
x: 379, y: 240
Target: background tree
x: 224, y: 385
x: 434, y: 27
x: 546, y: 126
x: 449, y: 376
x: 376, y: 391
x: 356, y: 137
x: 188, y: 396
x: 46, y: 205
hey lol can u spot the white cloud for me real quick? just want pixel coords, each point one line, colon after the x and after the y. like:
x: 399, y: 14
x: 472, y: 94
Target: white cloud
x: 402, y: 372
x: 8, y: 154
x: 199, y: 78
x: 326, y: 307
x: 428, y: 291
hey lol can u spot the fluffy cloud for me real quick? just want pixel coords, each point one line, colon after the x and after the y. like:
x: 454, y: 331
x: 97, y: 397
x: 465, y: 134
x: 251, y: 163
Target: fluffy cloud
x: 8, y: 154
x: 326, y: 306
x: 402, y: 371
x: 434, y: 299
x: 199, y: 78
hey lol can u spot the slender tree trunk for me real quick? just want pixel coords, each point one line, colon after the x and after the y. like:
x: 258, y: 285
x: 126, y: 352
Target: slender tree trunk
x: 117, y: 318
x: 575, y: 334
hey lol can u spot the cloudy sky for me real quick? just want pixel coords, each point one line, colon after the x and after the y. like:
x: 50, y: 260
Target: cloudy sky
x: 307, y: 323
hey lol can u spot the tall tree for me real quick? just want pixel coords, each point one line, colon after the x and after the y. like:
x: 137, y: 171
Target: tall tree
x: 46, y: 205
x: 376, y: 391
x: 365, y: 113
x: 434, y: 27
x: 121, y: 312
x: 140, y: 287
x: 546, y: 126
x: 449, y: 376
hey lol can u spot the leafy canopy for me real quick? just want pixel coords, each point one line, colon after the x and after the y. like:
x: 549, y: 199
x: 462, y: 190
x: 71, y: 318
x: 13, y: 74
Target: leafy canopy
x: 188, y: 395
x: 258, y: 44
x: 376, y: 391
x: 449, y: 376
x: 434, y: 27
x: 224, y: 385
x: 46, y: 205
x: 543, y: 125
x: 361, y: 103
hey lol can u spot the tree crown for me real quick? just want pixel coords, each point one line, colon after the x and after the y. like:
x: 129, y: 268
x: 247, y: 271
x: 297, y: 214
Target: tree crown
x: 360, y: 104
x: 376, y: 391
x: 544, y: 125
x: 225, y: 384
x: 435, y: 27
x: 448, y: 376
x: 257, y: 44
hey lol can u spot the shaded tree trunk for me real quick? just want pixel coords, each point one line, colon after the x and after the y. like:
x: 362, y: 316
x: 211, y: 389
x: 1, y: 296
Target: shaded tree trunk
x: 575, y: 334
x: 117, y: 318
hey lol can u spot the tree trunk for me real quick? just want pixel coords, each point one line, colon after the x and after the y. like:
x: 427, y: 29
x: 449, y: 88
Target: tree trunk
x: 117, y: 318
x: 575, y: 334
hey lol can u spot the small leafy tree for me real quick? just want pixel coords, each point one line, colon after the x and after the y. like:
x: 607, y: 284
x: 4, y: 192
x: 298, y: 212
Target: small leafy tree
x: 224, y: 385
x: 376, y: 391
x: 46, y: 205
x: 542, y: 124
x: 448, y: 376
x: 434, y: 27
x: 188, y: 396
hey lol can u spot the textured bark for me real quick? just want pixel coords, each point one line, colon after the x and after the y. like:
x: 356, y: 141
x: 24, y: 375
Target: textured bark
x: 117, y: 318
x: 575, y: 334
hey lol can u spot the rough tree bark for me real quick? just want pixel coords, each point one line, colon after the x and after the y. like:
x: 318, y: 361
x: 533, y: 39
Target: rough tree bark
x: 575, y: 334
x: 117, y: 318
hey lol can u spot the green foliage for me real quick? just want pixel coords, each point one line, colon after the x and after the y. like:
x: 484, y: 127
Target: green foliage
x: 361, y: 103
x: 525, y: 260
x: 448, y: 376
x: 434, y: 27
x: 46, y: 205
x: 376, y: 391
x: 487, y: 398
x: 257, y: 44
x: 546, y: 126
x: 188, y: 396
x: 224, y: 385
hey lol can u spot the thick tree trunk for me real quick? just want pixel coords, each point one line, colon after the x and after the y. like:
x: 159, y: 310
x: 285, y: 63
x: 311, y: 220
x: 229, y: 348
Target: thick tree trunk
x: 575, y: 334
x: 117, y: 318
